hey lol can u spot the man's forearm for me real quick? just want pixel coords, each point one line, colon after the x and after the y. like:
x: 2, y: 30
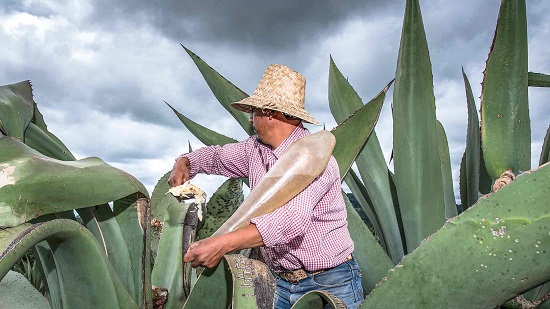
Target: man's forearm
x: 243, y: 238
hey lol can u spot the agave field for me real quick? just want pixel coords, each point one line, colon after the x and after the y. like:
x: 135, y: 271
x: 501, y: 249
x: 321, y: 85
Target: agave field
x: 79, y: 233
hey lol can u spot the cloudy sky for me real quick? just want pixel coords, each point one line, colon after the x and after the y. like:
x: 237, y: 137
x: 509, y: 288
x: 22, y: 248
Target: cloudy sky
x: 102, y: 69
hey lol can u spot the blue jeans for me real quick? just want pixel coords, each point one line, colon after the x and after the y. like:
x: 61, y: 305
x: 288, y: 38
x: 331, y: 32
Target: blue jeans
x: 343, y: 281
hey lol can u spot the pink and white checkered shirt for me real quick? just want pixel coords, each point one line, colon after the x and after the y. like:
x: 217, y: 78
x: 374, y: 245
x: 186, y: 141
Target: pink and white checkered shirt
x: 310, y: 231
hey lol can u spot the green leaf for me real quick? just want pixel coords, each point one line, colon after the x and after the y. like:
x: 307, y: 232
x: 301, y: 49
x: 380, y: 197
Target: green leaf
x: 224, y: 91
x: 545, y: 152
x: 473, y: 149
x: 43, y: 255
x: 33, y: 184
x: 78, y: 259
x: 205, y: 135
x: 168, y: 270
x: 16, y: 108
x: 416, y: 157
x: 352, y: 133
x: 42, y: 142
x: 505, y: 126
x: 314, y: 299
x: 16, y: 292
x: 362, y: 196
x: 538, y: 79
x: 38, y: 120
x: 506, y: 240
x: 223, y: 203
x: 343, y: 102
x: 446, y: 172
x: 212, y: 289
x: 371, y: 257
x: 101, y: 222
x: 133, y: 214
x: 160, y: 201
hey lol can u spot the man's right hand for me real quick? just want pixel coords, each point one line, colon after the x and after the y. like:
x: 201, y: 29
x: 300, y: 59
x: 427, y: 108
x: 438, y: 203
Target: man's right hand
x: 180, y: 172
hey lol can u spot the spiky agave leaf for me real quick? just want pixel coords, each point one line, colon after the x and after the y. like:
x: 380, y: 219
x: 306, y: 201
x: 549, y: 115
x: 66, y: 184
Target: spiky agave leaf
x: 416, y: 158
x: 343, y: 102
x: 472, y: 151
x: 16, y: 109
x: 538, y: 79
x: 33, y: 184
x: 78, y: 259
x: 223, y: 90
x: 506, y: 240
x: 505, y: 122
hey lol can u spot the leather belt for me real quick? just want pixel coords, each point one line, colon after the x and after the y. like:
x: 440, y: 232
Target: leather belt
x: 294, y: 276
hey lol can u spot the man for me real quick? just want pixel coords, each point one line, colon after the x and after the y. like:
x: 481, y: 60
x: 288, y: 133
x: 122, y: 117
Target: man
x: 306, y: 242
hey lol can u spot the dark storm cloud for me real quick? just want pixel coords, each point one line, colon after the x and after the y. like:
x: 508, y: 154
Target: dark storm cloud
x: 262, y: 24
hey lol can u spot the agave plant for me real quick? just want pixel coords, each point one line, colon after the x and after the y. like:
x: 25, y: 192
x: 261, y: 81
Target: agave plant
x: 412, y: 209
x: 421, y: 251
x: 104, y: 263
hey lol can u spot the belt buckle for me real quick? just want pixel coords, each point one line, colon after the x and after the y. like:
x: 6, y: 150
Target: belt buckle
x: 294, y: 276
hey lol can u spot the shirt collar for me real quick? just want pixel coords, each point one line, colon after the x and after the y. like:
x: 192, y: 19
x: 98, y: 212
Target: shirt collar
x: 298, y: 133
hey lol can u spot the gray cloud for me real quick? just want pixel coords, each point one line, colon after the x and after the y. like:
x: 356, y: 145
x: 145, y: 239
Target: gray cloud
x: 267, y: 25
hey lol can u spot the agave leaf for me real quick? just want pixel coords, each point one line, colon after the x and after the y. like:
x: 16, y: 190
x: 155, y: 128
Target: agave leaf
x: 16, y: 108
x: 160, y: 201
x: 133, y: 214
x: 416, y: 157
x: 212, y: 281
x: 538, y: 79
x: 362, y: 196
x: 463, y: 182
x: 205, y: 135
x: 101, y: 222
x: 447, y: 176
x: 38, y: 120
x: 485, y: 182
x: 251, y: 277
x: 506, y: 239
x: 352, y: 133
x: 343, y: 102
x: 43, y: 255
x: 42, y: 142
x: 545, y: 152
x: 371, y: 257
x: 221, y: 206
x: 314, y: 299
x: 473, y: 148
x: 78, y: 259
x: 505, y: 123
x: 537, y: 293
x: 33, y: 184
x: 168, y: 270
x: 224, y: 91
x: 17, y: 292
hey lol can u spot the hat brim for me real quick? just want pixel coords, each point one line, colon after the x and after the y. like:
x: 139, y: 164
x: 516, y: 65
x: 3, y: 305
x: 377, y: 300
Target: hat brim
x: 247, y: 104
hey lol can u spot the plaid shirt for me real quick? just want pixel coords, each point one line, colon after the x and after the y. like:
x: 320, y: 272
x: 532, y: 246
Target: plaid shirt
x: 310, y: 231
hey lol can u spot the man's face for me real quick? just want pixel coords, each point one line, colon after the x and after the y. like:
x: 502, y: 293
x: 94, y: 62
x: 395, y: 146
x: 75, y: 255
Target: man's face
x: 259, y: 119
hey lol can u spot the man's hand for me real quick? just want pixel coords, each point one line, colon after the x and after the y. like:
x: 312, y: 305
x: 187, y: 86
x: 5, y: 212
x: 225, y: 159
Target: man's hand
x: 180, y: 172
x: 209, y: 251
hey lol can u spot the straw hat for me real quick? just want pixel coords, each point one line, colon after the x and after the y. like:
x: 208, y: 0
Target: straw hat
x: 281, y: 89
